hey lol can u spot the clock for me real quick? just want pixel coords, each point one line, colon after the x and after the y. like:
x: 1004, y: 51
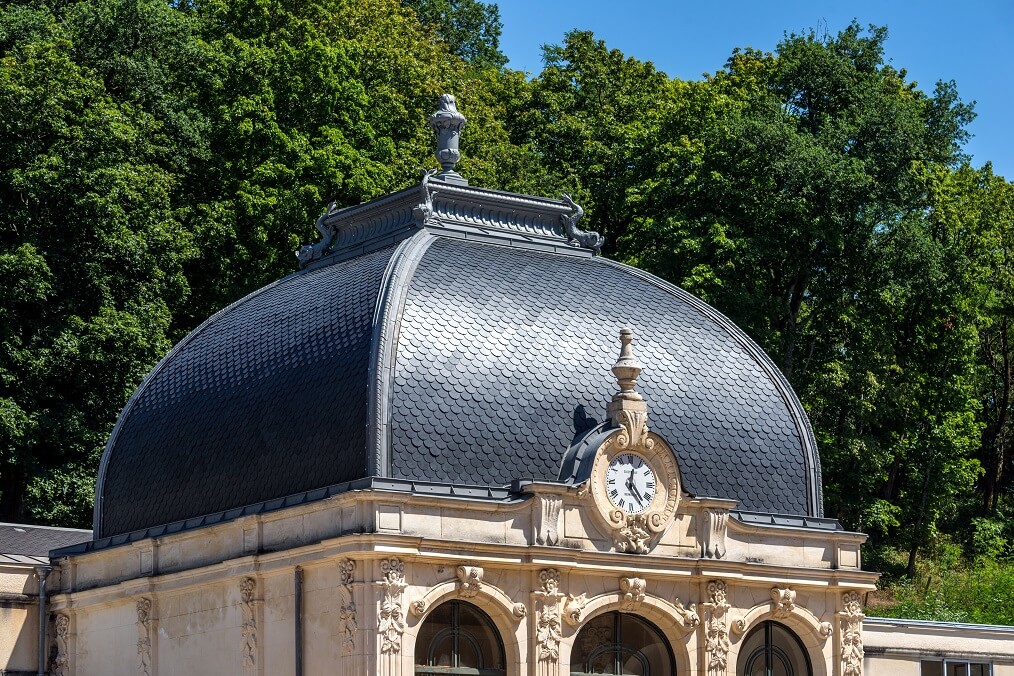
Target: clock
x: 631, y: 483
x: 635, y: 487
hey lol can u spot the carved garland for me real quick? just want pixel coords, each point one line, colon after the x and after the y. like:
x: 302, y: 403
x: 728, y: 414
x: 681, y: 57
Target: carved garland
x: 248, y: 647
x: 851, y: 622
x: 717, y: 629
x: 347, y: 625
x: 144, y: 637
x: 549, y: 630
x: 61, y: 664
x: 391, y: 621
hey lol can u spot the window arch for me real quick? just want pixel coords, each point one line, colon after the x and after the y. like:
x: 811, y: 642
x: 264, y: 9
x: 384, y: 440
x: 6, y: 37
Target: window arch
x: 458, y: 638
x: 620, y: 643
x: 772, y: 649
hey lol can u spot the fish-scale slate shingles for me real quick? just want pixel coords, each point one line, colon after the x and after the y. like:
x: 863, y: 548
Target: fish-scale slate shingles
x: 504, y: 353
x: 267, y: 400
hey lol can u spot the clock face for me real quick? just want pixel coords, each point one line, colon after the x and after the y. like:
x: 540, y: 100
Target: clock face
x: 630, y: 483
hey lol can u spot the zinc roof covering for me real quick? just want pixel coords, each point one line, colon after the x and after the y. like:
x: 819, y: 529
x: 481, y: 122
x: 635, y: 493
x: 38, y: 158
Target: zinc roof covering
x: 21, y: 541
x: 453, y: 351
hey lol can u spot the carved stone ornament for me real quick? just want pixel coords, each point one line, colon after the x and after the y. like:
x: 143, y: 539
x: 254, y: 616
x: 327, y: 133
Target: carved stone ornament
x: 447, y: 125
x: 635, y: 527
x: 716, y: 629
x: 547, y: 528
x: 519, y: 611
x: 573, y: 609
x: 470, y: 578
x: 248, y: 648
x: 576, y: 236
x: 714, y: 527
x: 850, y: 620
x: 423, y: 212
x: 311, y: 252
x: 143, y: 637
x: 784, y: 601
x: 548, y: 626
x: 391, y: 619
x: 61, y: 663
x: 689, y: 616
x: 347, y: 624
x: 632, y: 589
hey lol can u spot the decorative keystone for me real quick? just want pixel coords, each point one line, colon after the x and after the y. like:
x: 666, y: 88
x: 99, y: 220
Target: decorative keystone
x: 447, y: 124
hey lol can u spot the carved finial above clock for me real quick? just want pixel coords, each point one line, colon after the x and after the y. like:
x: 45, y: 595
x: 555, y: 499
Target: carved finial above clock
x: 627, y: 368
x: 628, y: 408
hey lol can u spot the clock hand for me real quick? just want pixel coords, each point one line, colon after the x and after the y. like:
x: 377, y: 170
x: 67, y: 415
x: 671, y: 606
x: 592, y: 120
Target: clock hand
x: 637, y: 493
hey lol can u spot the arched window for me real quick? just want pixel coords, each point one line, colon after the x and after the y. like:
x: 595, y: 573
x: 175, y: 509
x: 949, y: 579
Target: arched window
x: 773, y: 650
x: 618, y: 643
x: 458, y: 638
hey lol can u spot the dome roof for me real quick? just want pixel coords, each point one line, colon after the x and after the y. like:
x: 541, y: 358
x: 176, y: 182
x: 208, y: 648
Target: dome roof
x: 447, y: 334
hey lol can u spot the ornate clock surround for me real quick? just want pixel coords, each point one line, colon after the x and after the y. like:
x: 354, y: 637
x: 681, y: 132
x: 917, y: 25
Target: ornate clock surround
x: 636, y: 533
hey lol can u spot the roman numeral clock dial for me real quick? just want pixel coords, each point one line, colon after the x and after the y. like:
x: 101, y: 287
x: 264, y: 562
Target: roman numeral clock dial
x: 630, y: 483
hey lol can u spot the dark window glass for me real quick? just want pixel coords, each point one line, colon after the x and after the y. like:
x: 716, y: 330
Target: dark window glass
x: 618, y: 643
x: 957, y: 667
x: 773, y: 650
x: 458, y: 638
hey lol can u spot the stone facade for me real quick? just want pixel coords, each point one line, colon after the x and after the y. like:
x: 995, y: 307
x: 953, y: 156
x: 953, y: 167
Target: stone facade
x: 220, y: 599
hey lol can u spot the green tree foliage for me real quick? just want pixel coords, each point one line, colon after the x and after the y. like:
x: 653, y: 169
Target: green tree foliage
x: 795, y: 196
x: 592, y: 111
x: 158, y: 161
x: 470, y: 28
x: 89, y: 255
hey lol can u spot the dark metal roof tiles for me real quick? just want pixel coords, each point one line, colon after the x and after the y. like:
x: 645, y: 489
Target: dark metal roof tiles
x: 499, y: 355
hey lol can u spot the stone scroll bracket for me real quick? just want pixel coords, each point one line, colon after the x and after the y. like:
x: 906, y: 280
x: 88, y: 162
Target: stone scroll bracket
x: 714, y: 528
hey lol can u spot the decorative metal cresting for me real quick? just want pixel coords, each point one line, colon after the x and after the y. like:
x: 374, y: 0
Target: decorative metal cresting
x: 447, y: 124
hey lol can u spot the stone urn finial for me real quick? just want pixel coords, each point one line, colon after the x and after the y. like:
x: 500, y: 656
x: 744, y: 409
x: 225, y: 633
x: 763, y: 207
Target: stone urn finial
x: 447, y: 124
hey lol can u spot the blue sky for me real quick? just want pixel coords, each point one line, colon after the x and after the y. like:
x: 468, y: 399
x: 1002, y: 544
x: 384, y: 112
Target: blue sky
x: 969, y: 42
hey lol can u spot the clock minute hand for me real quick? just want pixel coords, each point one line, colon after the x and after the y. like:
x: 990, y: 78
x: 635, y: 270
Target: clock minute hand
x: 631, y: 486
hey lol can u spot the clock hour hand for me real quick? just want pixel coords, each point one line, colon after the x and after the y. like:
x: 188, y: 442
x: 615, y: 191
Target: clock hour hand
x: 632, y: 487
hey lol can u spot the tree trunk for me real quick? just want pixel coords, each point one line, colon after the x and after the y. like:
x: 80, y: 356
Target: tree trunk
x: 917, y: 531
x: 12, y: 494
